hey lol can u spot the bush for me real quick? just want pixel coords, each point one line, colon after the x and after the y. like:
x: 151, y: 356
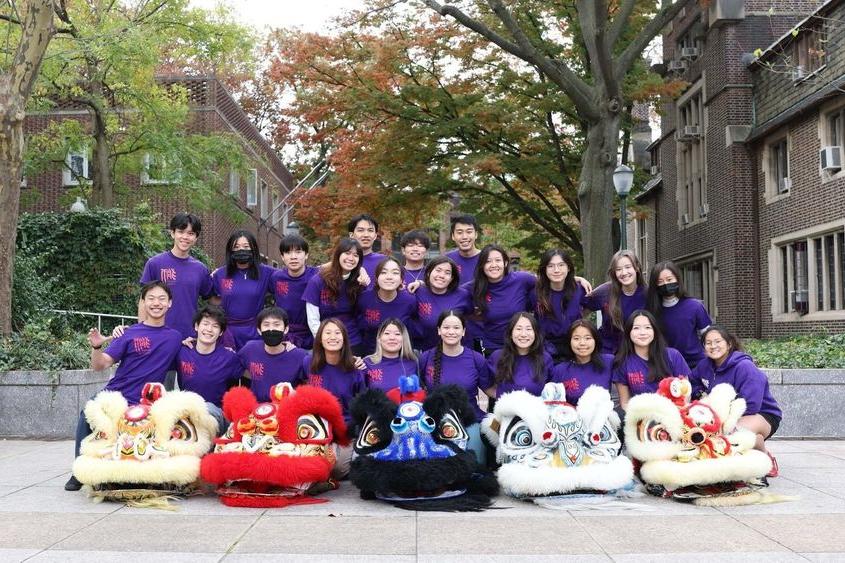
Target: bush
x: 44, y: 345
x: 810, y: 351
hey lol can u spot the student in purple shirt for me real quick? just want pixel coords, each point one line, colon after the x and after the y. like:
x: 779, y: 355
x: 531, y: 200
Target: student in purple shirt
x: 205, y: 368
x: 187, y: 277
x: 334, y: 292
x: 383, y: 301
x: 523, y: 362
x: 644, y: 359
x: 331, y: 366
x: 682, y: 318
x: 415, y: 245
x: 270, y: 360
x: 451, y: 362
x: 465, y: 231
x: 621, y: 295
x: 556, y: 301
x: 145, y: 352
x: 588, y: 365
x: 364, y: 229
x: 393, y: 357
x: 288, y: 286
x: 726, y: 362
x: 242, y: 285
x: 440, y: 292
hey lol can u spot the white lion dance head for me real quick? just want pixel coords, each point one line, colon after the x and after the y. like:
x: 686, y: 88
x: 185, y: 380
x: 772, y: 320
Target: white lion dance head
x: 549, y: 447
x: 694, y: 450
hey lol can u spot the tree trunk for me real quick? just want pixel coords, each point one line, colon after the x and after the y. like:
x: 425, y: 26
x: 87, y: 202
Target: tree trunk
x: 11, y: 159
x: 102, y: 186
x: 596, y: 195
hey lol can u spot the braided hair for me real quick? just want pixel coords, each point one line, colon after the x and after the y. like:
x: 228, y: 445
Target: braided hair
x: 438, y: 352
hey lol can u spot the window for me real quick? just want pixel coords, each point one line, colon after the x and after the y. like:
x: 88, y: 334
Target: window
x: 157, y: 170
x: 700, y: 280
x: 778, y: 181
x: 252, y: 188
x: 810, y: 274
x: 76, y: 168
x: 275, y: 210
x: 263, y: 201
x: 832, y: 139
x: 641, y: 230
x: 234, y: 183
x: 808, y: 51
x: 691, y: 43
x: 691, y: 194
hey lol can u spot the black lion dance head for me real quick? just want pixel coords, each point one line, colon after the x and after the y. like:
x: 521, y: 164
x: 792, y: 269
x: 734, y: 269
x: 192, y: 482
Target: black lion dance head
x: 411, y: 449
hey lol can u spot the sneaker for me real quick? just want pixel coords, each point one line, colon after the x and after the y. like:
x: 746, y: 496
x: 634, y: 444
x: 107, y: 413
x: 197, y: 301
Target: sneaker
x: 73, y: 484
x: 774, y: 470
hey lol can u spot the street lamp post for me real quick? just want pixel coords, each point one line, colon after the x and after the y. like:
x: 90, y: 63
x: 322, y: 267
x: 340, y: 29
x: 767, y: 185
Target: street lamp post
x: 623, y: 178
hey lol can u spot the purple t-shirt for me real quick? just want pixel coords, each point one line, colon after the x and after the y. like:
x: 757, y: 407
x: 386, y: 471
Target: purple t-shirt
x: 523, y: 374
x: 188, y: 280
x: 208, y: 375
x: 242, y: 299
x: 634, y: 372
x: 555, y: 324
x: 466, y: 266
x: 467, y: 370
x: 429, y: 307
x: 682, y: 324
x: 746, y: 378
x: 266, y: 370
x: 342, y: 384
x: 598, y: 300
x: 371, y: 311
x: 504, y: 298
x: 288, y: 291
x: 413, y: 275
x: 371, y: 260
x: 577, y: 377
x: 385, y: 374
x: 339, y: 307
x: 146, y: 353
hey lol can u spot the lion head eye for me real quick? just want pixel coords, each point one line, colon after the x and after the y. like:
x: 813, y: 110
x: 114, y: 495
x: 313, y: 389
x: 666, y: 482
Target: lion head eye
x: 310, y: 428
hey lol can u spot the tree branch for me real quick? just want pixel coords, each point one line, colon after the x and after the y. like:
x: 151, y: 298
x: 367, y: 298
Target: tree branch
x: 644, y: 37
x: 592, y: 14
x: 619, y: 22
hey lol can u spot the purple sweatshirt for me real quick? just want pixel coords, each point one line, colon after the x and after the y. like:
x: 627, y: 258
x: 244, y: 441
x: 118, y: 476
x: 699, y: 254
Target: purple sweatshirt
x: 288, y: 291
x: 385, y: 374
x: 188, y: 280
x: 681, y: 324
x: 467, y: 370
x: 208, y: 375
x: 634, y: 372
x: 146, y: 353
x: 598, y: 300
x: 739, y: 370
x: 242, y: 299
x: 339, y: 307
x: 577, y: 377
x: 343, y: 385
x: 266, y: 370
x: 523, y: 374
x: 555, y: 324
x: 504, y: 298
x: 369, y: 264
x: 429, y: 307
x: 466, y: 266
x: 371, y: 311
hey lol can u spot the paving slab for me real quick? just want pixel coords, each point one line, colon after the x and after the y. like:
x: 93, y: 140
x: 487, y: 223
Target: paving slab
x: 722, y: 556
x: 53, y: 500
x: 40, y: 530
x: 121, y: 557
x: 801, y: 533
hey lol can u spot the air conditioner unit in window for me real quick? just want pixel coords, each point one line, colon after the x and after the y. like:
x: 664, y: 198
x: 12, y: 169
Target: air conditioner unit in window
x: 654, y: 170
x: 692, y: 131
x: 830, y: 158
x: 703, y: 210
x: 689, y: 53
x: 784, y: 184
x: 677, y: 66
x: 797, y: 73
x: 685, y: 219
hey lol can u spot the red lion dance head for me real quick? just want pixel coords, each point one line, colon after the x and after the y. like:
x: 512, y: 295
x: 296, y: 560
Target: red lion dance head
x: 278, y: 453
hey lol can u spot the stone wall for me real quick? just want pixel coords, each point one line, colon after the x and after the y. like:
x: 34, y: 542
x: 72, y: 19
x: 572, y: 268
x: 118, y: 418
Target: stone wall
x: 811, y: 400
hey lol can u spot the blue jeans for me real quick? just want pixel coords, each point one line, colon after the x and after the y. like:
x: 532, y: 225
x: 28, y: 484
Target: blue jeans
x: 83, y: 429
x: 476, y: 444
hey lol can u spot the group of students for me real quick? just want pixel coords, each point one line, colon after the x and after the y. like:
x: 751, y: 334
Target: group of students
x: 364, y: 319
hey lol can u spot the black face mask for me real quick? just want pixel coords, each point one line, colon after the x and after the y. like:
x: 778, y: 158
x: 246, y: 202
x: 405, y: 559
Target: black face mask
x: 273, y: 337
x: 242, y: 256
x: 668, y: 289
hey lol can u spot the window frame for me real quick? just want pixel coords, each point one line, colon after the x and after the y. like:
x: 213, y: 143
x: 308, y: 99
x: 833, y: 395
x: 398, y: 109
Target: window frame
x: 252, y: 187
x: 68, y: 177
x: 709, y: 278
x: 691, y: 158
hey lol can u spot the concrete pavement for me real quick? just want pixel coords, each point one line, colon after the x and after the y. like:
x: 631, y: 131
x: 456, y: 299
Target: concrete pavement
x: 39, y: 521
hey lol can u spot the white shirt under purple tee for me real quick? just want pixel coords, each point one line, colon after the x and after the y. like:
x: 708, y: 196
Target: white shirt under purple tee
x: 339, y: 307
x: 188, y: 280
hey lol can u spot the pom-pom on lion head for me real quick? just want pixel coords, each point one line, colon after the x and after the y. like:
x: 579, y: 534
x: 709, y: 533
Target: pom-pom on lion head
x: 550, y: 447
x: 277, y: 453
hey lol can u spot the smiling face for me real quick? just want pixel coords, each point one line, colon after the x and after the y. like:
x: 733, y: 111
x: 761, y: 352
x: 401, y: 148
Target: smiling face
x: 625, y: 272
x: 464, y: 237
x: 557, y: 270
x: 332, y: 338
x: 365, y: 233
x: 716, y: 347
x: 391, y: 341
x: 156, y: 303
x: 390, y: 277
x: 451, y: 331
x: 523, y: 335
x: 414, y: 252
x: 295, y: 260
x: 441, y: 276
x: 494, y: 267
x: 583, y: 344
x: 184, y: 239
x: 208, y: 331
x: 642, y: 333
x: 348, y: 260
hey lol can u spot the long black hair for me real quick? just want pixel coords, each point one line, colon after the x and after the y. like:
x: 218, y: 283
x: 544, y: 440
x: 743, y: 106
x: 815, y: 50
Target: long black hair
x: 507, y: 361
x: 595, y: 357
x: 436, y: 261
x: 231, y: 267
x: 481, y: 284
x: 657, y: 365
x: 438, y: 352
x: 544, y: 285
x: 654, y: 302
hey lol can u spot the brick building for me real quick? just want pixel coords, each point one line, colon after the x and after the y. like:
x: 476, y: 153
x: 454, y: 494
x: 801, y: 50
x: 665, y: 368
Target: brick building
x: 738, y: 198
x: 212, y: 109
